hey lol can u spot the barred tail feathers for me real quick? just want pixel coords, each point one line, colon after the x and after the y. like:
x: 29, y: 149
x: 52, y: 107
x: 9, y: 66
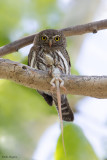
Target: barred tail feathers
x: 67, y: 113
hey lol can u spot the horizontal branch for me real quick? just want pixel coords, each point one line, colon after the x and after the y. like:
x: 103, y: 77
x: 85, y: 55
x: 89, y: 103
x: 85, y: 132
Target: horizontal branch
x: 70, y: 31
x: 94, y: 86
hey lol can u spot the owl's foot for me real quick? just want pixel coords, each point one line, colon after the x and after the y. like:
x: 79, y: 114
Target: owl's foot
x: 57, y: 64
x: 60, y: 67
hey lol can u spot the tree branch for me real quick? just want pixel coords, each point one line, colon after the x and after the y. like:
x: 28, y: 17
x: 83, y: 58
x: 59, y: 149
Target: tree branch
x: 70, y: 31
x: 93, y: 27
x: 94, y: 86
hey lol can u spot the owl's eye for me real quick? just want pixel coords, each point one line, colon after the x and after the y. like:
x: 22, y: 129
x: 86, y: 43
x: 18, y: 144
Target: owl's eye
x: 44, y: 38
x: 57, y: 38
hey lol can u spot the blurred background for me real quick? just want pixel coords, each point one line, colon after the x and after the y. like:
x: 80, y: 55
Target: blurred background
x: 29, y: 128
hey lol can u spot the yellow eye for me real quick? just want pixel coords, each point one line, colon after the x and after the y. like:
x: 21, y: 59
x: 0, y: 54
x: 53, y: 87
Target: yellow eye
x: 44, y: 38
x: 57, y: 38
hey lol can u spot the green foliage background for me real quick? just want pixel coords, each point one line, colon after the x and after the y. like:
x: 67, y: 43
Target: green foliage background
x: 24, y: 115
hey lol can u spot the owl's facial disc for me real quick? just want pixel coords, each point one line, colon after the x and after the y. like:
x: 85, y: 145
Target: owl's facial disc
x: 50, y: 38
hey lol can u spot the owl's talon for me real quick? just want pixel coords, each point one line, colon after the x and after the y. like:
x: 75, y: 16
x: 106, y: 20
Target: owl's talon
x: 61, y: 67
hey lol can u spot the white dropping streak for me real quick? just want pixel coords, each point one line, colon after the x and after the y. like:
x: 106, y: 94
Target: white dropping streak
x: 64, y: 60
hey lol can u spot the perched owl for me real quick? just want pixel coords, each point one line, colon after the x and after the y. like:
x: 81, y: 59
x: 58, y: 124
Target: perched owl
x: 52, y: 44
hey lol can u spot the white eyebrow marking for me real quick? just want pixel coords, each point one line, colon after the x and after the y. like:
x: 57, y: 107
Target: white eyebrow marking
x: 45, y: 35
x: 56, y: 36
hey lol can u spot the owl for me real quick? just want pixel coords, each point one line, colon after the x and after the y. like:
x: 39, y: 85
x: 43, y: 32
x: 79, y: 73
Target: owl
x: 51, y: 44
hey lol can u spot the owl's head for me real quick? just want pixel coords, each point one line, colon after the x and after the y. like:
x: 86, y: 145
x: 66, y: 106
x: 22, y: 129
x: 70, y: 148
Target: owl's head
x: 50, y: 38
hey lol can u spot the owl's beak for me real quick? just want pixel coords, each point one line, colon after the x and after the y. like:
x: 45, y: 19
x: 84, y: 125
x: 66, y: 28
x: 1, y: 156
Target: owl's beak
x: 50, y: 42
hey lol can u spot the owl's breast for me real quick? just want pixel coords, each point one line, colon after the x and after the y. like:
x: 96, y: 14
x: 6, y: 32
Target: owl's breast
x: 48, y: 58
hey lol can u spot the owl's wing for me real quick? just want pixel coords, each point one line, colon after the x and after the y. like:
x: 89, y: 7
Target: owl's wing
x: 67, y: 57
x: 32, y: 63
x: 32, y: 57
x: 48, y: 98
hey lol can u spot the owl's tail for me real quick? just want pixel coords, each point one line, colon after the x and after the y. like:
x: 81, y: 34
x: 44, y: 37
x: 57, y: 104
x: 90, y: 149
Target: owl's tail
x: 67, y: 113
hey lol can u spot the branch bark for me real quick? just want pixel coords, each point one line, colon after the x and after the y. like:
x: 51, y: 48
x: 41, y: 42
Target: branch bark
x: 94, y: 86
x: 70, y: 31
